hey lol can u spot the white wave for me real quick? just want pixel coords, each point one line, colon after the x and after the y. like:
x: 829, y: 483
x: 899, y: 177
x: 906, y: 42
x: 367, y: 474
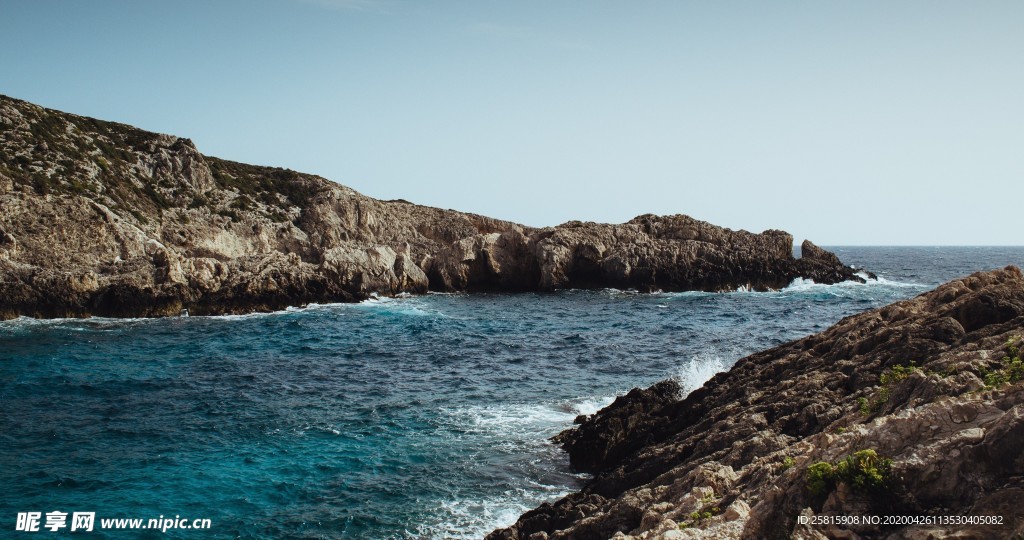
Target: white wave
x: 79, y: 323
x: 590, y: 406
x: 401, y: 305
x: 475, y: 518
x: 692, y: 294
x: 800, y: 284
x: 524, y: 429
x: 308, y: 308
x: 889, y: 283
x: 612, y: 292
x: 516, y: 420
x: 253, y: 315
x: 804, y: 285
x: 698, y: 371
x: 523, y: 421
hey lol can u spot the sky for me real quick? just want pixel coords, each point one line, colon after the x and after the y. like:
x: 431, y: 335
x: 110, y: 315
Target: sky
x: 849, y: 123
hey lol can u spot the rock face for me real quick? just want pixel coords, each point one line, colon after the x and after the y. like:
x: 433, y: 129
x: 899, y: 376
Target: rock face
x: 914, y: 409
x: 104, y: 219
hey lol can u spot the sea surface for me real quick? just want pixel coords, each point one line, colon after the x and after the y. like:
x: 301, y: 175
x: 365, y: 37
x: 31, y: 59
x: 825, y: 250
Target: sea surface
x: 419, y: 417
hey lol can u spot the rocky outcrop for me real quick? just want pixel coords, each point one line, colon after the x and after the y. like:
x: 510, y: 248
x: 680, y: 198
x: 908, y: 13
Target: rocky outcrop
x: 914, y: 409
x: 105, y: 219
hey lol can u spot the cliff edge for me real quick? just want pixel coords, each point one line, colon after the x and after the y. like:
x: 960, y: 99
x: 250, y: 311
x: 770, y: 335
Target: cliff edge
x: 101, y: 218
x: 914, y: 410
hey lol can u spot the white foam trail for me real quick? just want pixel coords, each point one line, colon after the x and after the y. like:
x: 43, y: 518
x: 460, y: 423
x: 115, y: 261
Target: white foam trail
x: 23, y: 322
x: 801, y: 285
x: 261, y: 314
x: 513, y: 417
x: 804, y: 285
x: 908, y: 284
x: 526, y: 421
x: 476, y: 518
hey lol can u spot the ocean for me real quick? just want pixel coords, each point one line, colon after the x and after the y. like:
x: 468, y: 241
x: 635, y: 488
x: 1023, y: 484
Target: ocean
x: 415, y: 417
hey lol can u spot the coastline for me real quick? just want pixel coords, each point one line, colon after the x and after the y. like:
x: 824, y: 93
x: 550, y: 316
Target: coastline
x: 490, y: 367
x: 106, y: 219
x: 912, y: 382
x: 397, y: 270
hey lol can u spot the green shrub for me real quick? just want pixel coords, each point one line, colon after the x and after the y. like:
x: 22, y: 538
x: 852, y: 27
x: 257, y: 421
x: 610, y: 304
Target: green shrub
x: 820, y: 477
x: 995, y: 378
x: 888, y: 378
x: 1012, y: 369
x: 1011, y: 349
x: 864, y: 470
x: 697, y: 518
x: 1015, y: 370
x: 897, y: 373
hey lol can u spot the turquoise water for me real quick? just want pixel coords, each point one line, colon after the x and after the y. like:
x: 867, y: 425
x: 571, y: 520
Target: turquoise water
x: 421, y: 417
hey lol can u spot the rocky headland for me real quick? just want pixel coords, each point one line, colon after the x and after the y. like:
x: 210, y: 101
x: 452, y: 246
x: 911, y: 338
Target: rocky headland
x: 914, y: 410
x: 100, y: 218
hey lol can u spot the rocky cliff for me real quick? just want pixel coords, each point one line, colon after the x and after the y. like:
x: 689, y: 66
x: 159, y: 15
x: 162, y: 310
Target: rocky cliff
x: 915, y: 409
x: 100, y: 218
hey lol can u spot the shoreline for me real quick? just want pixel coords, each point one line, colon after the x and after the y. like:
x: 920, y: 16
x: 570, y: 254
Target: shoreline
x: 745, y: 442
x: 269, y: 348
x: 129, y: 223
x: 796, y: 283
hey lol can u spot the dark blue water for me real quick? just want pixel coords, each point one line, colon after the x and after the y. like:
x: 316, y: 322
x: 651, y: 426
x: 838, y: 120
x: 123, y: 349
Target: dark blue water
x: 396, y: 418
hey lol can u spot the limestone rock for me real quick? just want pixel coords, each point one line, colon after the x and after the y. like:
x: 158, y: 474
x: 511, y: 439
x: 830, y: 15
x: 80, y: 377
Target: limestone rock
x: 165, y: 228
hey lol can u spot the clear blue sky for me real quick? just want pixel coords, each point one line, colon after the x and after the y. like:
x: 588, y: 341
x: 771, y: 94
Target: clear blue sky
x: 844, y: 122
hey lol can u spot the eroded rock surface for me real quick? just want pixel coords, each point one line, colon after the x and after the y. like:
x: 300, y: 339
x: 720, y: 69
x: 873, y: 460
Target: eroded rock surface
x: 935, y: 384
x: 101, y: 218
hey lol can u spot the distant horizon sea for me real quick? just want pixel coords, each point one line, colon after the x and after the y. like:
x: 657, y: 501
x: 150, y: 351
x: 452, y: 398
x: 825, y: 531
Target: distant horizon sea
x: 412, y: 417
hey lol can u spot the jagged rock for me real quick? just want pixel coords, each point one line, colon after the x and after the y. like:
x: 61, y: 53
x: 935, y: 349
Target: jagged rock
x: 811, y: 252
x: 745, y: 441
x: 165, y: 228
x: 619, y: 429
